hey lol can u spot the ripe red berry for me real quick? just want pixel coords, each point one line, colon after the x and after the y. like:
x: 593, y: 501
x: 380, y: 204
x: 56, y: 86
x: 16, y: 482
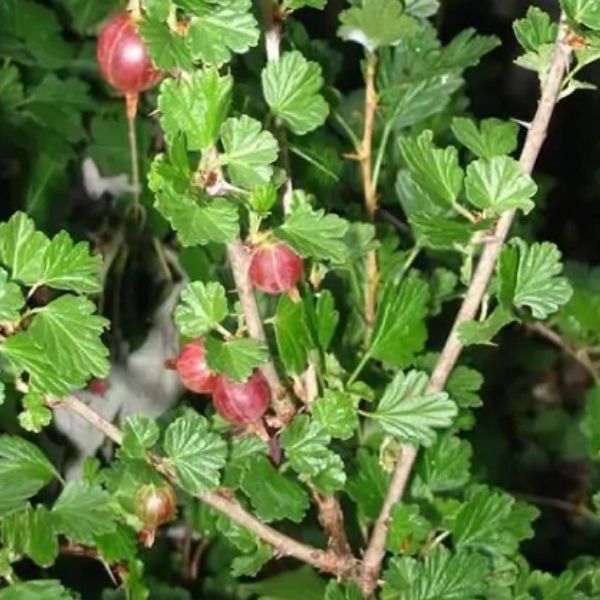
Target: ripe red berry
x: 122, y: 56
x: 155, y: 505
x: 193, y: 370
x: 242, y: 403
x: 275, y: 268
x: 97, y: 386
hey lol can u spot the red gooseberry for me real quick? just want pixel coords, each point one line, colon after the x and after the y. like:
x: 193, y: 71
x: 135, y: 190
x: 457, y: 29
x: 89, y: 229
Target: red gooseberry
x: 242, y: 403
x: 123, y: 58
x: 275, y: 268
x: 192, y: 368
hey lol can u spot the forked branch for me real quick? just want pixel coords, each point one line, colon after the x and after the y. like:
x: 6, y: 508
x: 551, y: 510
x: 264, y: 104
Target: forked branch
x: 371, y: 566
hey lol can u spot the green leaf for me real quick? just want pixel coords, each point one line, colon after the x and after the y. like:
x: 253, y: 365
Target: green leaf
x: 336, y: 591
x: 167, y: 49
x: 586, y: 12
x: 236, y: 358
x: 376, y: 23
x: 30, y: 532
x: 195, y: 106
x: 327, y: 318
x: 23, y: 353
x: 399, y: 331
x: 443, y: 233
x: 410, y: 414
x: 491, y: 139
x: 11, y: 299
x: 83, y: 512
x: 300, y: 584
x: 590, y: 425
x: 315, y: 233
x: 336, y: 413
x: 482, y: 332
x: 292, y: 5
x: 24, y: 470
x: 492, y: 521
x: 196, y: 220
x: 71, y: 334
x: 70, y: 266
x: 22, y: 248
x: 273, y: 495
x: 498, y: 185
x: 466, y: 49
x: 216, y: 32
x: 368, y: 485
x: 463, y: 385
x: 119, y: 545
x: 535, y: 30
x: 422, y: 8
x: 305, y: 443
x: 36, y: 415
x: 408, y: 529
x: 292, y: 334
x: 442, y: 575
x: 437, y: 172
x: 140, y: 433
x: 196, y: 453
x: 85, y: 14
x: 263, y: 198
x: 249, y: 152
x: 444, y: 466
x: 291, y: 88
x: 249, y: 565
x: 43, y: 589
x: 244, y: 449
x: 202, y: 307
x: 530, y: 276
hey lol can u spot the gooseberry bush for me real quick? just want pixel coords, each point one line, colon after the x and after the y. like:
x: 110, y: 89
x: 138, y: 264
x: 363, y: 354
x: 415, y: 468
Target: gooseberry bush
x: 320, y: 447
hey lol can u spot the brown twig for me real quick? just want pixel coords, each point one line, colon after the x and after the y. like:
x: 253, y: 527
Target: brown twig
x: 369, y: 191
x: 223, y: 502
x: 371, y: 565
x: 579, y: 356
x: 331, y: 518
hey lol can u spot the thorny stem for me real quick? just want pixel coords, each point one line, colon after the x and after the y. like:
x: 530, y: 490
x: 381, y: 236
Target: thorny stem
x: 369, y: 190
x: 224, y: 502
x: 371, y: 564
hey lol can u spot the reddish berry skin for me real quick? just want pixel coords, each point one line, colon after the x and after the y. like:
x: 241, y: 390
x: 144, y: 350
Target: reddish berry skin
x: 242, y: 403
x: 122, y: 56
x: 276, y: 268
x: 97, y: 386
x: 193, y: 370
x: 155, y: 505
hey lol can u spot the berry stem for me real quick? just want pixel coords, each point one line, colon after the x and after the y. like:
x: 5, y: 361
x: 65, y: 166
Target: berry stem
x: 131, y: 103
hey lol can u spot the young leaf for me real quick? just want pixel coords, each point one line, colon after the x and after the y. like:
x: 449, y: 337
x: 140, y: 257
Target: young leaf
x: 35, y: 415
x: 376, y: 23
x: 535, y: 30
x: 83, y: 512
x: 327, y: 318
x: 422, y: 8
x: 11, y: 298
x: 216, y: 32
x: 140, y: 433
x: 482, y: 332
x: 196, y: 453
x: 70, y: 266
x: 167, y: 49
x: 530, y: 276
x: 273, y: 495
x: 30, y: 532
x: 249, y: 565
x: 292, y: 334
x: 586, y: 12
x: 69, y: 331
x: 399, y: 331
x: 24, y: 470
x: 235, y: 358
x: 498, y: 185
x: 410, y: 414
x: 249, y: 152
x: 195, y: 106
x: 493, y: 522
x: 369, y: 485
x: 291, y: 88
x: 336, y: 413
x: 444, y: 466
x: 442, y: 575
x: 22, y: 248
x: 492, y: 138
x: 314, y: 233
x: 202, y: 307
x: 408, y: 529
